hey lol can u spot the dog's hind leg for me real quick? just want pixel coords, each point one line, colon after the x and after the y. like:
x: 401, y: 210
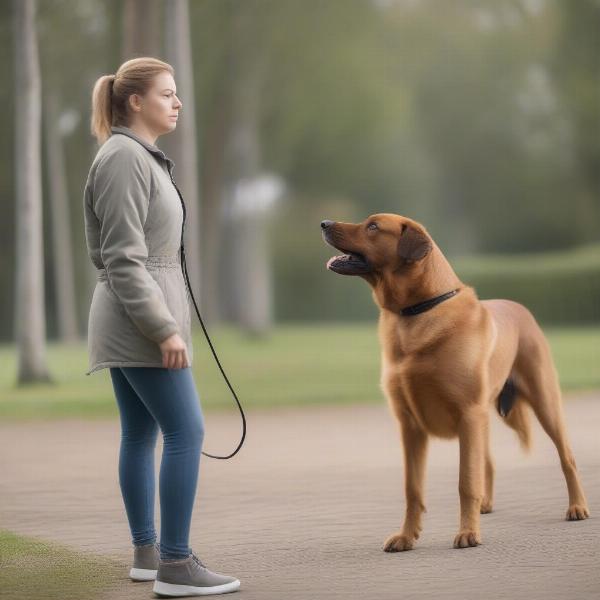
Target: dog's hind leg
x: 512, y: 407
x: 415, y: 443
x: 539, y: 376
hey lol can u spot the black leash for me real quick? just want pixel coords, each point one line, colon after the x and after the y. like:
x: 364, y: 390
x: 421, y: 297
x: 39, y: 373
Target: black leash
x: 187, y: 280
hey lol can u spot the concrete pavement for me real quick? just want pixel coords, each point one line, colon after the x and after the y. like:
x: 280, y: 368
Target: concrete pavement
x: 303, y: 511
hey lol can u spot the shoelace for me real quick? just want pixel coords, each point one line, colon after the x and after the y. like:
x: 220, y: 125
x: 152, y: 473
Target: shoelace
x: 195, y: 558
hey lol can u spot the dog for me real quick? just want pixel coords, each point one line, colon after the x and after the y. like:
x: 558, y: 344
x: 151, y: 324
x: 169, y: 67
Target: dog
x: 447, y: 357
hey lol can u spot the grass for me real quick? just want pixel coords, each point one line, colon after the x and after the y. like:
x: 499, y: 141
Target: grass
x: 31, y: 568
x: 294, y: 365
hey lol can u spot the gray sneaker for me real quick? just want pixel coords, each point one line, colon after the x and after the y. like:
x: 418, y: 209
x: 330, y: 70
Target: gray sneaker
x: 145, y: 562
x: 190, y: 577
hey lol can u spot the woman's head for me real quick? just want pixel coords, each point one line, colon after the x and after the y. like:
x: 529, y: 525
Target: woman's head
x: 142, y: 90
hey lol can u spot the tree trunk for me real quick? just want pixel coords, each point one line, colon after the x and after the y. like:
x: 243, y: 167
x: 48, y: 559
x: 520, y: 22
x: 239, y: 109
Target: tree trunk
x: 247, y: 287
x: 30, y: 319
x: 62, y: 248
x: 180, y: 145
x: 141, y: 28
x: 211, y: 223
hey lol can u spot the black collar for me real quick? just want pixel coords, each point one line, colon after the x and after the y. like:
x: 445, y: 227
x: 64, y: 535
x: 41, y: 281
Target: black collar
x: 415, y: 309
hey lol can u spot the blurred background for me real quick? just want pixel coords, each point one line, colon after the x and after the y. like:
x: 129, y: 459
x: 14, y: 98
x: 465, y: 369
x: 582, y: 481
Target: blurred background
x: 478, y: 118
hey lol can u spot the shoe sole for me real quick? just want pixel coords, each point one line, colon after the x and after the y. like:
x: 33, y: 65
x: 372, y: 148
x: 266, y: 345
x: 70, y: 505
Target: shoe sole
x: 173, y: 589
x: 142, y: 574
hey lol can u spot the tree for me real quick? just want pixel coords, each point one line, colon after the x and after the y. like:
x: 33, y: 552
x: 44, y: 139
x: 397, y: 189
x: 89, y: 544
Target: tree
x: 181, y: 144
x: 30, y: 320
x: 60, y: 215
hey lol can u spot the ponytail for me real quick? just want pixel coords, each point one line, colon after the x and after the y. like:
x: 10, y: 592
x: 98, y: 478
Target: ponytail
x: 111, y: 93
x: 102, y: 108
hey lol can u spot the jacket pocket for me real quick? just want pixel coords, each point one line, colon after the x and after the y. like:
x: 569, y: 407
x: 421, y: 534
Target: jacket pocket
x: 169, y: 282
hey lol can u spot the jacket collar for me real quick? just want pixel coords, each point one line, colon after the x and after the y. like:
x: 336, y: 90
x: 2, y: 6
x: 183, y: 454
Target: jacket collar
x: 150, y: 147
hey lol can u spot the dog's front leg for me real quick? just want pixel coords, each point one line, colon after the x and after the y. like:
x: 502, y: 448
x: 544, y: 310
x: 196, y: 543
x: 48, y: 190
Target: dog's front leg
x: 472, y: 434
x: 414, y: 441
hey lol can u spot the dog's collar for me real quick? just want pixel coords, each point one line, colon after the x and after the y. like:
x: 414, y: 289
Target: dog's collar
x: 415, y: 309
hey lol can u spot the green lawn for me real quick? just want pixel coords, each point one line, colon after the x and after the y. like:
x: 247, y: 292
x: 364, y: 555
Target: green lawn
x: 31, y: 568
x: 296, y: 364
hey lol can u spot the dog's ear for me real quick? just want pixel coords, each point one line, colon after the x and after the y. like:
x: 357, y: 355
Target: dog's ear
x: 413, y: 245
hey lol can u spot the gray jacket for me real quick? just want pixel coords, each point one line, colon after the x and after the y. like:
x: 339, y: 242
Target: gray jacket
x: 133, y: 220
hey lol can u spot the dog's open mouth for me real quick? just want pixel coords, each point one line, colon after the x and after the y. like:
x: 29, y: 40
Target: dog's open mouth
x: 351, y: 263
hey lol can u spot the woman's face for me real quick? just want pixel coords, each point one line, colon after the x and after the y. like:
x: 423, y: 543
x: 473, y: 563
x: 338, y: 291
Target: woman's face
x: 160, y: 106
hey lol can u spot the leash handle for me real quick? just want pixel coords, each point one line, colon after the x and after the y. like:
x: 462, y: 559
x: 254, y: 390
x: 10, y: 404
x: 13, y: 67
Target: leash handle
x: 187, y: 281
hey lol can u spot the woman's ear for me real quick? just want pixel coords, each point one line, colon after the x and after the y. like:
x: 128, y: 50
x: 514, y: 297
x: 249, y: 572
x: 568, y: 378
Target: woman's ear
x: 413, y: 245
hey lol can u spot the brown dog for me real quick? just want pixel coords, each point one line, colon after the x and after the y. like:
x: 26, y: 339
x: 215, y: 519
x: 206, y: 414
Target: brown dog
x: 446, y: 357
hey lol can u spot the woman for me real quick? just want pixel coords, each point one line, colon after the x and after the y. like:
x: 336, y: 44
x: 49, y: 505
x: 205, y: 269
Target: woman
x: 139, y: 323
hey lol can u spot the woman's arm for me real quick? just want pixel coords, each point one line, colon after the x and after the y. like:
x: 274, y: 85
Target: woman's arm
x: 121, y: 196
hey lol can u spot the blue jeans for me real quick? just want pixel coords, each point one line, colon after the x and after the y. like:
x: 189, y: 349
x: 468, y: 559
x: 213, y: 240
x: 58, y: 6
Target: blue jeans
x: 150, y: 398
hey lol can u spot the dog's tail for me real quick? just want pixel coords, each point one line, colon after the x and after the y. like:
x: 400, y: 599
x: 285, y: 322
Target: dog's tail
x: 514, y: 411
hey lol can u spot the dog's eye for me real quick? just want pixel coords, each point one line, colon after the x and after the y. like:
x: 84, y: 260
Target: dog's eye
x: 372, y: 226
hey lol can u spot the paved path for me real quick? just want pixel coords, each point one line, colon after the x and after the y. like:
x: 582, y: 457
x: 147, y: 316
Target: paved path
x: 303, y: 511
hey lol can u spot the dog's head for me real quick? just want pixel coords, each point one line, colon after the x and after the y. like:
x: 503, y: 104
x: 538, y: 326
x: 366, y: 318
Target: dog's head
x: 382, y: 243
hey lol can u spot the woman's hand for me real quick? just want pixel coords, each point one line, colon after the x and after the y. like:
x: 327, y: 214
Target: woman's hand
x: 174, y: 352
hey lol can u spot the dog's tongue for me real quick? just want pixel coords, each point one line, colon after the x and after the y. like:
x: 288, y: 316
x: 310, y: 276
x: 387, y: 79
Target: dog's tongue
x: 338, y: 257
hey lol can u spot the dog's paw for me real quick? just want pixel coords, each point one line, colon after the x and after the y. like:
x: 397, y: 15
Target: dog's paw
x: 486, y: 507
x: 577, y: 512
x: 398, y: 542
x: 467, y: 538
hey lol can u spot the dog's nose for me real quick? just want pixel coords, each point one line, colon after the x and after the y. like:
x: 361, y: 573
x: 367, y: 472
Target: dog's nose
x: 325, y: 224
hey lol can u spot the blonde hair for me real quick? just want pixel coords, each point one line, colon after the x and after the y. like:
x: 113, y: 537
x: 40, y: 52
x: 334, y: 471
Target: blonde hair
x: 111, y: 93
